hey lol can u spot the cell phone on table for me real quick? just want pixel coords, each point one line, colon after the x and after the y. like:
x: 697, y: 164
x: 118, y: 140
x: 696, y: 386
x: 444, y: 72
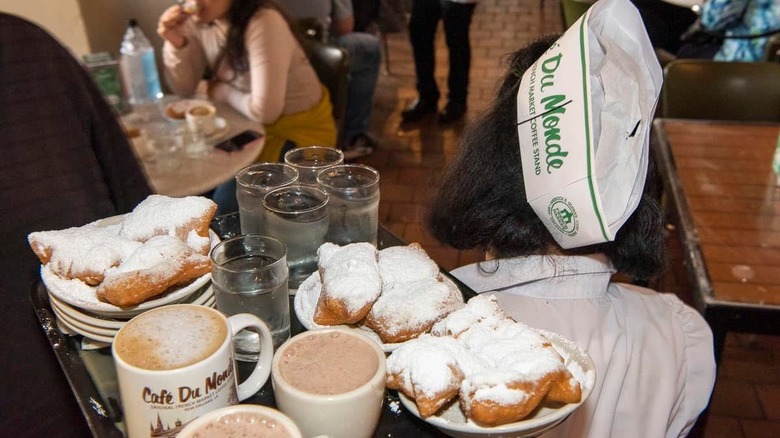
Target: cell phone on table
x: 238, y: 141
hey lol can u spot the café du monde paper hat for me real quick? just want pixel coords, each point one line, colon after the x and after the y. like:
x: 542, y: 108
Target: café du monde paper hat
x: 584, y: 111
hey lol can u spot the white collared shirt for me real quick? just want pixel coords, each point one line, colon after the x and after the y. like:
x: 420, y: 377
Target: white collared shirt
x: 654, y: 355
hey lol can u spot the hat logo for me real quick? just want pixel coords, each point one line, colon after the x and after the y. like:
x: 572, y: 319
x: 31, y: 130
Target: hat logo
x: 563, y: 216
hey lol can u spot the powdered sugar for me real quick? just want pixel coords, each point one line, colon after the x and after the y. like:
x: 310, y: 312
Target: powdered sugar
x: 489, y: 348
x: 415, y: 304
x: 158, y: 214
x: 404, y: 264
x: 350, y: 274
x: 87, y: 250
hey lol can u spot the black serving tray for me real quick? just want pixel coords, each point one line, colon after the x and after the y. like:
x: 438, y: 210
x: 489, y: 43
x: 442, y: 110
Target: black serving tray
x: 92, y: 376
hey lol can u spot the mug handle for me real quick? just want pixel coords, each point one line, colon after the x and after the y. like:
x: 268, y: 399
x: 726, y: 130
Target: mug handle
x: 259, y: 376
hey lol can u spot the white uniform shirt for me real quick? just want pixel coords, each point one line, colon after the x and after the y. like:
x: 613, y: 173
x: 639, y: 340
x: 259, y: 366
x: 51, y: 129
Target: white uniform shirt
x: 654, y: 355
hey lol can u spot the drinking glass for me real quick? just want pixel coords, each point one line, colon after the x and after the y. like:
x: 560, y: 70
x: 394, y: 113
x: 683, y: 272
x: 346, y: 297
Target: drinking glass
x: 354, y: 202
x: 252, y: 184
x: 298, y: 216
x: 167, y: 151
x: 195, y: 145
x: 249, y: 275
x: 310, y: 160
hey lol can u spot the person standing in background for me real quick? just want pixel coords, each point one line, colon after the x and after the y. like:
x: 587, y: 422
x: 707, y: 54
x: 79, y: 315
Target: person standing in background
x: 254, y: 62
x: 456, y: 16
x: 365, y: 57
x: 739, y: 18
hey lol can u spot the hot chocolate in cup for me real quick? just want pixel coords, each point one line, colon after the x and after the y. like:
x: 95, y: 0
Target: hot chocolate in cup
x: 202, y: 116
x: 242, y: 421
x: 330, y: 382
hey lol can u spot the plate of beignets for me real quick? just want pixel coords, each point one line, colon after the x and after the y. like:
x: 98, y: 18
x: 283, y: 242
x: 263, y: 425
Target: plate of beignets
x: 360, y: 287
x: 119, y: 266
x: 480, y: 373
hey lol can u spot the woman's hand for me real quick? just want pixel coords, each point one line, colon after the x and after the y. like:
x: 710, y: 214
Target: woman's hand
x: 170, y: 26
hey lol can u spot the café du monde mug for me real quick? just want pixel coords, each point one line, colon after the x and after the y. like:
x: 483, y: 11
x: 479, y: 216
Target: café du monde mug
x: 330, y: 382
x: 175, y: 363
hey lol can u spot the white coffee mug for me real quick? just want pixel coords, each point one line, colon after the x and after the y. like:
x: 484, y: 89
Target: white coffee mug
x: 241, y: 421
x: 202, y: 116
x: 347, y: 383
x: 176, y: 363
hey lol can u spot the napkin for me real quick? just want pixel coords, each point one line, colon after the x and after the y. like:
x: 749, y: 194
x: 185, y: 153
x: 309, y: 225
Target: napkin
x: 584, y: 112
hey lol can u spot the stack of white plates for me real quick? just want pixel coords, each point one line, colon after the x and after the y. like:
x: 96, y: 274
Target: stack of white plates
x: 103, y: 324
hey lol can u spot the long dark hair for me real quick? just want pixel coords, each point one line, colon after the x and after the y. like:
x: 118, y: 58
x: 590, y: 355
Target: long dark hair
x: 482, y: 201
x: 239, y: 15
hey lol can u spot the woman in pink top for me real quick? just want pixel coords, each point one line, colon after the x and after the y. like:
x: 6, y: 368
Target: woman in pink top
x: 253, y: 61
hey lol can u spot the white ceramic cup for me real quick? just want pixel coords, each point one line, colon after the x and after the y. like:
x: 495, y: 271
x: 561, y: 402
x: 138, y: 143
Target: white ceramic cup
x: 242, y: 421
x: 350, y: 414
x: 176, y: 363
x: 202, y: 117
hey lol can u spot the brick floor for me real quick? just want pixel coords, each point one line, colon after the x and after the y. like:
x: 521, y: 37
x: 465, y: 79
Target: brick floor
x: 746, y: 402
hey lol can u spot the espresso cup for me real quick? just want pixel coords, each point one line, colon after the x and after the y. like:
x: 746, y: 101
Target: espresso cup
x: 330, y: 382
x: 202, y: 117
x: 176, y: 363
x: 242, y: 421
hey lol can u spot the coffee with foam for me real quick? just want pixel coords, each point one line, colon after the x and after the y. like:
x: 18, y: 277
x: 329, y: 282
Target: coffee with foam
x: 170, y: 338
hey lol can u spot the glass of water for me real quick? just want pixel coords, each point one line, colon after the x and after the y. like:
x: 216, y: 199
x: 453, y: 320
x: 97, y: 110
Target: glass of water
x: 309, y: 161
x: 354, y: 202
x: 252, y: 184
x: 249, y: 274
x: 298, y: 216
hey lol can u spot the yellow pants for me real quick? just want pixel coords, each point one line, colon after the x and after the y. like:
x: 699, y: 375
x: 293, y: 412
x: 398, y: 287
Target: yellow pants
x: 314, y: 127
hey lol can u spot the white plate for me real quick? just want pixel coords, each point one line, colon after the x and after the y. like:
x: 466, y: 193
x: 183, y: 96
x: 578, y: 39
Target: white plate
x: 205, y: 298
x: 308, y: 294
x: 73, y: 325
x: 80, y: 295
x: 86, y: 334
x: 220, y: 128
x: 182, y: 106
x: 452, y: 422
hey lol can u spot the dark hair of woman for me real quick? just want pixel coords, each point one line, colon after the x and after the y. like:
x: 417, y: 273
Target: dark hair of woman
x: 482, y: 201
x: 239, y: 15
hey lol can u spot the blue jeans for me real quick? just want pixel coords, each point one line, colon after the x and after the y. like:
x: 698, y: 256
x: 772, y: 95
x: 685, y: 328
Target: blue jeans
x: 365, y: 57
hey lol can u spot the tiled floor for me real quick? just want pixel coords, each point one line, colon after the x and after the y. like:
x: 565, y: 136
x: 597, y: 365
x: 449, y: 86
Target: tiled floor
x: 746, y: 402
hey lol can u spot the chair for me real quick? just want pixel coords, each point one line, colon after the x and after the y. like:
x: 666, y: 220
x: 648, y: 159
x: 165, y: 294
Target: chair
x: 572, y: 10
x: 772, y: 51
x: 332, y: 66
x: 704, y: 89
x: 309, y: 28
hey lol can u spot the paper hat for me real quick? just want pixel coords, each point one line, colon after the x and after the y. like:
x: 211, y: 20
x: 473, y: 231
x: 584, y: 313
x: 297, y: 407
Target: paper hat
x: 584, y: 111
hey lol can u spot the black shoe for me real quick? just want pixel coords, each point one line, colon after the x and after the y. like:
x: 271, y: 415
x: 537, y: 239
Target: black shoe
x: 452, y: 113
x: 418, y: 109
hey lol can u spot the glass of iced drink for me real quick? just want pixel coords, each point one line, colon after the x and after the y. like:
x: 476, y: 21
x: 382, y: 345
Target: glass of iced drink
x: 298, y: 216
x: 309, y: 161
x: 252, y: 184
x: 354, y: 202
x: 249, y: 275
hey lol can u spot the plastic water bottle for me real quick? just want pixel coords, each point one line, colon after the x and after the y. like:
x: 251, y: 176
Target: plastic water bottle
x: 139, y: 68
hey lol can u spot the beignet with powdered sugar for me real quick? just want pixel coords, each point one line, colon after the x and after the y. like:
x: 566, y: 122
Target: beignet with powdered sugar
x: 503, y: 369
